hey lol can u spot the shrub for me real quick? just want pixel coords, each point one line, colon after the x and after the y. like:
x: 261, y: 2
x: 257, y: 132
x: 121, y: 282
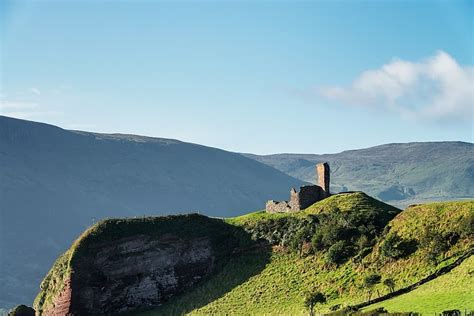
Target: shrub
x: 317, y: 241
x: 22, y: 310
x: 370, y: 281
x: 363, y: 242
x: 396, y: 247
x: 313, y: 298
x: 466, y: 227
x: 390, y: 284
x: 454, y: 312
x: 362, y: 254
x: 339, y: 252
x: 433, y: 242
x: 299, y: 239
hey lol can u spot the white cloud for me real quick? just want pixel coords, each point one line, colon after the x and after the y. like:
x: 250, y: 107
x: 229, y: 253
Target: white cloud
x: 35, y: 91
x: 437, y: 88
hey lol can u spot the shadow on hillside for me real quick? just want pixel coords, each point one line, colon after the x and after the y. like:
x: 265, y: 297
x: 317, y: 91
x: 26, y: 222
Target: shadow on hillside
x: 245, y: 262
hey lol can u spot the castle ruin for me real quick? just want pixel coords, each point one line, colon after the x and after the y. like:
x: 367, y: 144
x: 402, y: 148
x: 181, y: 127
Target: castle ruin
x: 308, y: 194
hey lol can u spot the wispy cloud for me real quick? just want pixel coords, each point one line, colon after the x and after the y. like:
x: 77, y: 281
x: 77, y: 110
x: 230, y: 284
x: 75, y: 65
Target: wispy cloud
x: 35, y: 91
x: 437, y: 88
x: 6, y: 105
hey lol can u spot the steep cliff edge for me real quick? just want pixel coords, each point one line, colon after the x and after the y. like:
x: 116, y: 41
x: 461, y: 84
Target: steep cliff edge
x: 123, y: 265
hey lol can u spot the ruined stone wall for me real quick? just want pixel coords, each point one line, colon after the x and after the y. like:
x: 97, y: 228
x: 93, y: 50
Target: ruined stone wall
x: 294, y: 200
x: 277, y: 207
x: 307, y: 195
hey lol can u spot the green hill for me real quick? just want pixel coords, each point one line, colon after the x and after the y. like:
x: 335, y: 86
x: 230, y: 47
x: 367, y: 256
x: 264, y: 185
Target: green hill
x: 280, y: 287
x: 332, y: 247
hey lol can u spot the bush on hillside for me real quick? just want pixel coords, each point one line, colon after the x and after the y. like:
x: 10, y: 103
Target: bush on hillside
x: 433, y: 242
x: 370, y: 281
x: 396, y: 247
x: 341, y: 233
x: 302, y: 236
x: 317, y: 240
x: 364, y: 242
x: 452, y: 238
x: 22, y: 310
x: 390, y: 284
x: 339, y: 252
x: 358, y: 230
x: 466, y: 227
x: 313, y: 298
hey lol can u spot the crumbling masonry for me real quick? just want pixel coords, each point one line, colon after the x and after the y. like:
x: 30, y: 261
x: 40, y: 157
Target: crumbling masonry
x: 308, y: 194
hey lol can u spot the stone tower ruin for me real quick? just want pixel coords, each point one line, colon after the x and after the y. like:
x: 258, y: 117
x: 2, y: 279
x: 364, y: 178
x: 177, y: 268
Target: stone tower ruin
x: 322, y: 170
x: 307, y: 195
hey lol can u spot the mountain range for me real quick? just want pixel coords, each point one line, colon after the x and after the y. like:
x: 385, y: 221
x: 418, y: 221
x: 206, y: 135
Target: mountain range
x: 399, y: 174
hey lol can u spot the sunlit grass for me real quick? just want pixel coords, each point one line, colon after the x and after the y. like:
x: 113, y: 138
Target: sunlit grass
x: 454, y: 290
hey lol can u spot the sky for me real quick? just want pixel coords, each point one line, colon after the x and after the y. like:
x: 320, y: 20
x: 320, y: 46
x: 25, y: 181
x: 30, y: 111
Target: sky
x: 247, y: 76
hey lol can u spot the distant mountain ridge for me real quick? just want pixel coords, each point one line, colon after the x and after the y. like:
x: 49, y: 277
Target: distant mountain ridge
x: 55, y: 182
x: 398, y: 173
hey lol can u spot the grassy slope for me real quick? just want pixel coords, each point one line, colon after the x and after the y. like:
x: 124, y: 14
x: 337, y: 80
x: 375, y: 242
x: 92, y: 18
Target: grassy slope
x: 279, y: 287
x: 345, y: 202
x: 442, y: 217
x: 454, y: 290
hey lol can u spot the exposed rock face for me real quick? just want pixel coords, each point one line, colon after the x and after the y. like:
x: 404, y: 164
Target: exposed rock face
x: 133, y: 272
x: 62, y: 302
x: 124, y: 265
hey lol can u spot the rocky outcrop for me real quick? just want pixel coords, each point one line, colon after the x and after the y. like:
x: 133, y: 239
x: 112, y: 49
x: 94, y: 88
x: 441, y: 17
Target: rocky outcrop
x: 62, y: 302
x: 116, y: 272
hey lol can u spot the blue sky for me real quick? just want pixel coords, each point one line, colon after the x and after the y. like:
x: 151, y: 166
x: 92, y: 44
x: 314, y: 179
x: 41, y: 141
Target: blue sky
x: 253, y: 76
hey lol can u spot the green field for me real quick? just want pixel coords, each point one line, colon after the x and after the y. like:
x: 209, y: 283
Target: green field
x: 454, y: 290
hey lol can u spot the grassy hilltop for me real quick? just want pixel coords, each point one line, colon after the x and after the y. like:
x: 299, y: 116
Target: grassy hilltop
x: 297, y: 268
x: 331, y: 247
